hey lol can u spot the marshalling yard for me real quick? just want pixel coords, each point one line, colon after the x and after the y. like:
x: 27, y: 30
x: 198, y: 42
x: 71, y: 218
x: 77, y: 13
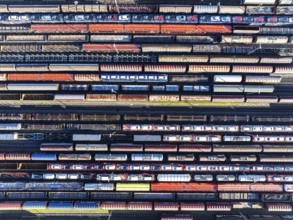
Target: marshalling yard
x: 135, y: 109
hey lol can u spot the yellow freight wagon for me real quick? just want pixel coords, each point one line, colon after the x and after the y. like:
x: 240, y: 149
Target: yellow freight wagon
x: 132, y: 187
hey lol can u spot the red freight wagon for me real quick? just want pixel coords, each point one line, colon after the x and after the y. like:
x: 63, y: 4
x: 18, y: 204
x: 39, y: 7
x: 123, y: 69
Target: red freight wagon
x: 160, y: 148
x: 59, y: 28
x: 192, y: 206
x: 142, y: 28
x: 106, y: 28
x: 101, y: 97
x: 194, y: 187
x: 133, y: 98
x: 201, y: 29
x: 112, y: 48
x: 140, y: 206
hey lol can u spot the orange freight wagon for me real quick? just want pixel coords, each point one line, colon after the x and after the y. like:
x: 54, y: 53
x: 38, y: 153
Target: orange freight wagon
x: 142, y: 28
x: 178, y: 29
x: 106, y: 28
x: 201, y: 29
